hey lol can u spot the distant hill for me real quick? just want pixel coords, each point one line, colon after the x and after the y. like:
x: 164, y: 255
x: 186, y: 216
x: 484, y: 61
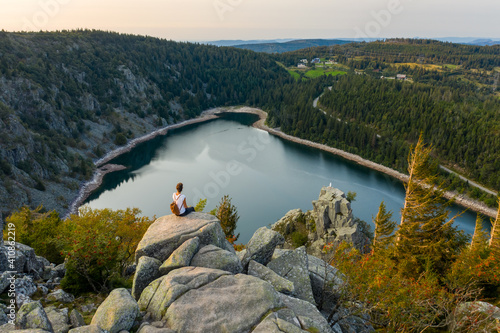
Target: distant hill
x: 293, y: 45
x: 233, y: 42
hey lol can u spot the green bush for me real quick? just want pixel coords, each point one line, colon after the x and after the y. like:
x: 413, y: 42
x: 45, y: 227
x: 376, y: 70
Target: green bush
x: 39, y: 231
x: 298, y: 238
x: 98, y: 246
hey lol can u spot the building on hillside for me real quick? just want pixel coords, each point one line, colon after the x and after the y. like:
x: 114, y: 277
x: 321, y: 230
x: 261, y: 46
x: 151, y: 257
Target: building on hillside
x: 301, y: 65
x: 305, y: 61
x: 401, y: 76
x: 315, y: 61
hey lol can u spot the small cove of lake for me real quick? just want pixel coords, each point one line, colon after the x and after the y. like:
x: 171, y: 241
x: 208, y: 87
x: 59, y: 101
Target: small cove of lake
x: 264, y: 175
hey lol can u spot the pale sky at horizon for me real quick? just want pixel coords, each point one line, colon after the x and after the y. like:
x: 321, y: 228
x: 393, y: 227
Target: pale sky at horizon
x: 204, y: 20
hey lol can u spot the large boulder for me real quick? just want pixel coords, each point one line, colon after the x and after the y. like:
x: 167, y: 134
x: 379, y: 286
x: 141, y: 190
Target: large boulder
x: 162, y: 292
x: 118, y: 312
x: 261, y: 246
x: 264, y: 273
x: 293, y: 266
x: 87, y: 329
x: 58, y: 319
x: 310, y: 318
x: 325, y: 281
x: 28, y: 262
x: 167, y: 233
x: 153, y: 329
x: 182, y: 256
x: 475, y: 316
x: 211, y: 256
x: 76, y: 319
x: 146, y: 272
x: 25, y: 288
x: 32, y: 315
x: 231, y: 303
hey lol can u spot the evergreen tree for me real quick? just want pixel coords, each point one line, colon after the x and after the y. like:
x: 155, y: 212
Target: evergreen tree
x: 384, y: 228
x: 495, y: 236
x: 228, y: 217
x: 480, y: 237
x: 425, y: 239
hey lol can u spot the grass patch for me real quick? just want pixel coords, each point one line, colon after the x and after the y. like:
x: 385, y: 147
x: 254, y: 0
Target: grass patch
x: 295, y: 75
x: 450, y: 66
x: 314, y: 73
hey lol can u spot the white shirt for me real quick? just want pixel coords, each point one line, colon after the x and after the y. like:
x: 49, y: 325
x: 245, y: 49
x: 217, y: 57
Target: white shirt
x: 179, y: 201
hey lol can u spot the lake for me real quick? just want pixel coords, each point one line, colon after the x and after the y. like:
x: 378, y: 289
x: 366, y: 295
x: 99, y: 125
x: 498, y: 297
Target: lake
x: 264, y: 175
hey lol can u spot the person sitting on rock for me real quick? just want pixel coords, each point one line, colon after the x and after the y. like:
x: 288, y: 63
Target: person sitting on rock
x: 180, y: 200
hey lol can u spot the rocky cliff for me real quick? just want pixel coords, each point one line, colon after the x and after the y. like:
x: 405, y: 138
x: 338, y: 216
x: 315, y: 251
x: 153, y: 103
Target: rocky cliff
x: 330, y: 221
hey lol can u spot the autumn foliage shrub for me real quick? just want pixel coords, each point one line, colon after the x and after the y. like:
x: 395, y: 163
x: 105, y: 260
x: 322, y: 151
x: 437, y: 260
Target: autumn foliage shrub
x: 98, y: 246
x: 38, y: 230
x: 394, y: 301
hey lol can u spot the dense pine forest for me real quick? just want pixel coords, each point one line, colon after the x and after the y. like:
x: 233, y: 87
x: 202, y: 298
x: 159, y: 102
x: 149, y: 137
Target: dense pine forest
x: 68, y: 97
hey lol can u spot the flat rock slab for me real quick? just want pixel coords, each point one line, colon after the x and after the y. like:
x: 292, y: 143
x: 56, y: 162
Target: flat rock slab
x: 169, y: 232
x: 231, y: 304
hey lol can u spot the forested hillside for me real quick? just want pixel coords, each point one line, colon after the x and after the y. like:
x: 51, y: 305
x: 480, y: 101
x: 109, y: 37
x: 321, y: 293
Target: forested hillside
x: 456, y: 122
x: 449, y: 92
x: 68, y: 97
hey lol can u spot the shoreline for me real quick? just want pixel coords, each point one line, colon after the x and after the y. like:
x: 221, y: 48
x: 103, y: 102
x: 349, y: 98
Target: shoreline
x: 103, y: 168
x: 459, y: 199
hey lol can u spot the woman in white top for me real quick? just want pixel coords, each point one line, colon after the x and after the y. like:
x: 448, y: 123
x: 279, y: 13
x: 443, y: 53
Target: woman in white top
x: 180, y: 200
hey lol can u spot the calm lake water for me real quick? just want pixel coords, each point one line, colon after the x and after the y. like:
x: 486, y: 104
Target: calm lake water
x: 264, y: 175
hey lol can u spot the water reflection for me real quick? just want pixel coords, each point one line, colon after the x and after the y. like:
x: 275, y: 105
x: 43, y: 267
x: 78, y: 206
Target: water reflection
x: 264, y: 175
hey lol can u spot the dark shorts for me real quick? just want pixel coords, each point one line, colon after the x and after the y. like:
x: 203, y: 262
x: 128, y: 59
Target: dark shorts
x: 187, y: 211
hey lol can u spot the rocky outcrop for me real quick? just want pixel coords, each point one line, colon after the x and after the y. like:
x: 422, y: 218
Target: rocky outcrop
x: 32, y: 315
x: 167, y: 233
x: 330, y: 221
x: 118, y: 312
x: 209, y: 292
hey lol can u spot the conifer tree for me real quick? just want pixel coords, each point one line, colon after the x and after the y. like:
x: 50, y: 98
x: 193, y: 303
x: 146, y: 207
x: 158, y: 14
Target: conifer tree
x: 480, y: 237
x: 495, y: 235
x: 384, y: 228
x: 426, y: 238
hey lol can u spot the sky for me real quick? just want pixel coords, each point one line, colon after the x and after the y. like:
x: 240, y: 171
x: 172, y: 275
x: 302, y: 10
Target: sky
x: 208, y: 20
